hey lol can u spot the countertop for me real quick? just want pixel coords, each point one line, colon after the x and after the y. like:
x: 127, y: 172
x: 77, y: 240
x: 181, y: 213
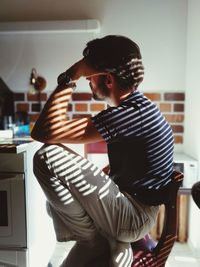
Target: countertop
x: 14, y: 145
x: 18, y: 145
x: 21, y: 144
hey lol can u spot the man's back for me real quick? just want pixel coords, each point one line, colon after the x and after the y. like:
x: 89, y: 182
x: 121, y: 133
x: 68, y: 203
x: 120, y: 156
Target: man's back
x: 140, y: 143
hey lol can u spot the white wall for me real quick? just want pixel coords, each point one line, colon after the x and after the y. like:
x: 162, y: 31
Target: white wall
x: 49, y: 53
x: 192, y: 121
x: 158, y: 26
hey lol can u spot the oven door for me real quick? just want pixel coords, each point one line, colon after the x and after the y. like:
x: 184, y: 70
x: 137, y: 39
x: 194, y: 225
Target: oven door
x: 12, y: 211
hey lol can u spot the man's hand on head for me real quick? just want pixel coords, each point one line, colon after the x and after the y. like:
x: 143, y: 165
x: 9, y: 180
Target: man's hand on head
x: 80, y: 69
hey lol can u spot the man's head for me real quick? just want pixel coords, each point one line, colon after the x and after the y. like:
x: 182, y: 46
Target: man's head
x: 119, y: 56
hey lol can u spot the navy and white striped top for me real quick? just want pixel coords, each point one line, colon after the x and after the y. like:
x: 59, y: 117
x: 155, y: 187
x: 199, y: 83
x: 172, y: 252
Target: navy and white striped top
x: 140, y: 143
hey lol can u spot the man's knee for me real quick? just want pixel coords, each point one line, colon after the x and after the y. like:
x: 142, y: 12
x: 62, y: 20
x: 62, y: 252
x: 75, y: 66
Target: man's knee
x: 44, y: 151
x: 51, y: 156
x: 39, y: 158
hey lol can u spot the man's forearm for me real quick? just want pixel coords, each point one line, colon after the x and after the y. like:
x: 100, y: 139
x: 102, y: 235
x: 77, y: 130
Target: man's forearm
x: 54, y: 113
x: 52, y: 125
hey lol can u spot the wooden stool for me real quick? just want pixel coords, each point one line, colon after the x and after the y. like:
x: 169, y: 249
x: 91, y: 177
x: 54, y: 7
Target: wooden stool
x: 145, y: 251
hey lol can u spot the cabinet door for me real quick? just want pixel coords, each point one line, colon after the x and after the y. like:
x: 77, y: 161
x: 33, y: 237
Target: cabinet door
x: 13, y: 258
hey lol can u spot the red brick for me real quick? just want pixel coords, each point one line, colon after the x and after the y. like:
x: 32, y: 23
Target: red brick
x: 81, y: 107
x: 22, y: 107
x: 174, y: 96
x: 153, y: 96
x: 177, y: 128
x: 33, y: 117
x: 37, y: 97
x: 36, y: 107
x: 78, y: 116
x: 179, y: 107
x: 178, y: 139
x: 165, y: 107
x: 97, y: 107
x: 81, y: 96
x: 174, y: 117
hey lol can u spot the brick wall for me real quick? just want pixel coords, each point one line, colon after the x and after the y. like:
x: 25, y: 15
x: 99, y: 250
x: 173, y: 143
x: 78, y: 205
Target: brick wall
x: 171, y: 104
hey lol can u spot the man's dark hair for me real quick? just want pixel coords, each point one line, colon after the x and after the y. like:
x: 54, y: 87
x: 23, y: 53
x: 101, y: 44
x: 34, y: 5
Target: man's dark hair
x: 118, y: 55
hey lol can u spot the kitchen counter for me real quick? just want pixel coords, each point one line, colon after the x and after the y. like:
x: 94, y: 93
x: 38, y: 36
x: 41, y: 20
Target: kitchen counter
x: 21, y: 144
x: 14, y: 145
x: 183, y: 162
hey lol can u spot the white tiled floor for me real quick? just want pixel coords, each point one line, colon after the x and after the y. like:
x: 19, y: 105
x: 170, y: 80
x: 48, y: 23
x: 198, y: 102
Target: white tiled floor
x: 181, y: 255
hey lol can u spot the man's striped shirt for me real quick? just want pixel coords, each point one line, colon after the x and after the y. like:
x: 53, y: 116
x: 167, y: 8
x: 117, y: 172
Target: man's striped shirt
x: 140, y: 143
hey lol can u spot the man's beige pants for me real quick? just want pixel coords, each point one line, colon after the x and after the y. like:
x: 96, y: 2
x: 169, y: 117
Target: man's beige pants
x: 87, y: 206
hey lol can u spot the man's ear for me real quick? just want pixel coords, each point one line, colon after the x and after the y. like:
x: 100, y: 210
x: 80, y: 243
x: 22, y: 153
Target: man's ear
x: 109, y: 80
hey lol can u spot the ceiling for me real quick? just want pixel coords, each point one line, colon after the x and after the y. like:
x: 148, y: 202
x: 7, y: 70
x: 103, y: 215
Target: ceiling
x: 31, y: 10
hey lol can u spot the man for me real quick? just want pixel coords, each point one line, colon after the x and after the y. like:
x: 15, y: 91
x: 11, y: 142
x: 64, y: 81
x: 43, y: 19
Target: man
x: 102, y: 212
x: 196, y: 193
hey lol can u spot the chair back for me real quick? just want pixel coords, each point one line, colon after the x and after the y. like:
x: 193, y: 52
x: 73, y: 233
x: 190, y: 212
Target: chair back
x: 146, y: 251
